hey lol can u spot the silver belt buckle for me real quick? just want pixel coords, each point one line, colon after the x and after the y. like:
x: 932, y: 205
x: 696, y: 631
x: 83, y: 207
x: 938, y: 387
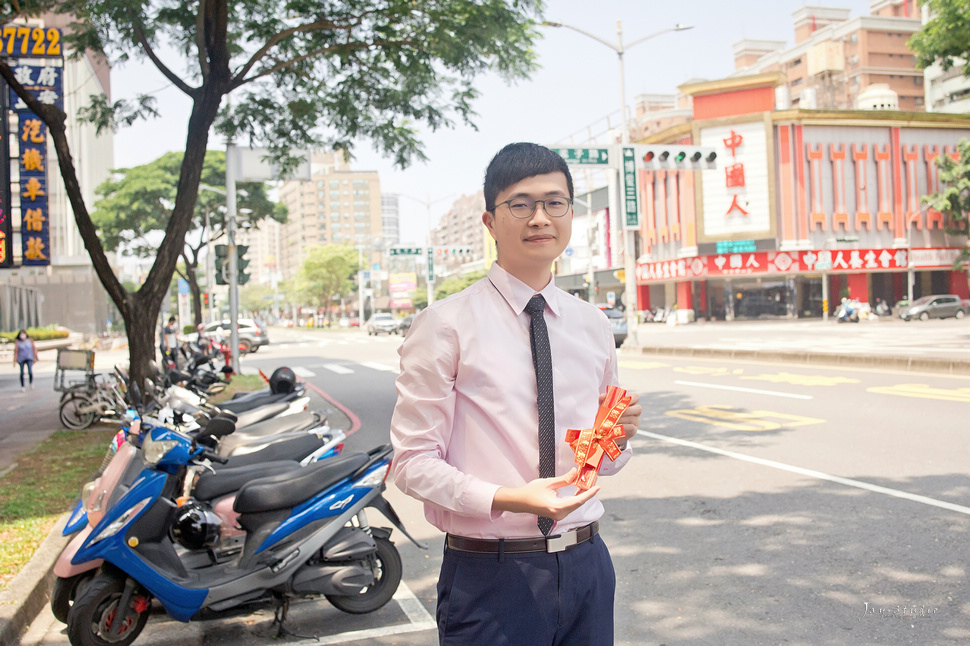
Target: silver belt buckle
x: 561, y: 542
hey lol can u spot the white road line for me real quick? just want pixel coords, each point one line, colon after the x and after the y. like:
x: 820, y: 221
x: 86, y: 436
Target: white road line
x: 744, y: 390
x: 848, y: 482
x: 379, y: 366
x: 419, y: 619
x: 304, y: 372
x: 339, y: 369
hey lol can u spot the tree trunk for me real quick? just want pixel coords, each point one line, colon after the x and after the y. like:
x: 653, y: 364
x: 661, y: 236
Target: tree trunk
x: 196, y: 294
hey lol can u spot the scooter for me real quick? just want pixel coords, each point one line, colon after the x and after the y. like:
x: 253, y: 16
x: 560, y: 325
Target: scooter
x: 306, y: 533
x: 126, y: 464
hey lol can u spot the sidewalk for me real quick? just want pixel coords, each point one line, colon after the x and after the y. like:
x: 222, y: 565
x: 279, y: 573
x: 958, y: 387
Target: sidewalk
x: 934, y: 346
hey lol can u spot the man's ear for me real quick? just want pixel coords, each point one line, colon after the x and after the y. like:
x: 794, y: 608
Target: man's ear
x: 488, y: 219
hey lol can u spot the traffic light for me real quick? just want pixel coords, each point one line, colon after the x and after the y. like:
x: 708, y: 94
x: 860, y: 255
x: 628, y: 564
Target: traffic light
x: 205, y: 298
x: 222, y: 264
x: 242, y: 277
x: 677, y: 157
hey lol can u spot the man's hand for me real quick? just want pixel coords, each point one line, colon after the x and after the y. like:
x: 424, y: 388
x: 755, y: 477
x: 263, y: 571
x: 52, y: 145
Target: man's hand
x: 539, y: 497
x: 630, y: 418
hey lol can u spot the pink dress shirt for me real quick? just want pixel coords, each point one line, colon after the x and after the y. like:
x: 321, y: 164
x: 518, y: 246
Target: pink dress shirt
x: 466, y: 418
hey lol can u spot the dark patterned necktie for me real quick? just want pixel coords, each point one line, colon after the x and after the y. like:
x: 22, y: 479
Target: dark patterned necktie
x: 542, y: 360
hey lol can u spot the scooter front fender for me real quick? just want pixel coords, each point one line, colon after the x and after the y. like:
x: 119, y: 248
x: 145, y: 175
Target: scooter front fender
x: 64, y: 568
x: 77, y: 520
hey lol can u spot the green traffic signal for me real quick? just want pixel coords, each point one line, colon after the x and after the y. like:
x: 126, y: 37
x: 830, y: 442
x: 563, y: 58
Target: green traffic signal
x: 680, y: 156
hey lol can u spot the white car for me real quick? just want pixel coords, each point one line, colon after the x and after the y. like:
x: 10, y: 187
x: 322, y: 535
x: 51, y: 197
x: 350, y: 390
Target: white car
x: 252, y: 335
x: 381, y: 322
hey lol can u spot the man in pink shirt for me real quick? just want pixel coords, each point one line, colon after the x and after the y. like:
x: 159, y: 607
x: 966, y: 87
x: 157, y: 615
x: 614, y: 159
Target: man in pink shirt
x: 465, y: 427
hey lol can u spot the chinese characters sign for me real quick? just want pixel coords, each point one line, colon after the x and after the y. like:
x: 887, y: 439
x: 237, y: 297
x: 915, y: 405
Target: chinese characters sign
x: 46, y: 85
x: 794, y: 262
x: 584, y: 156
x: 629, y: 173
x: 736, y: 195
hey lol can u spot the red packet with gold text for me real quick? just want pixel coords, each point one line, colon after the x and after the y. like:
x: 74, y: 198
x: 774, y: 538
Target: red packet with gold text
x: 591, y: 444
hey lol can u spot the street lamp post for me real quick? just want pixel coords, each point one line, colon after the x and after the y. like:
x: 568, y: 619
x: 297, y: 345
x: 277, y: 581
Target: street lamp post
x: 427, y: 202
x: 629, y: 261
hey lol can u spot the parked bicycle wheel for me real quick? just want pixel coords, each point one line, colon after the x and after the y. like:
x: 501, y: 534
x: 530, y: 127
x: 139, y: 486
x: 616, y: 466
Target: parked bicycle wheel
x: 76, y: 413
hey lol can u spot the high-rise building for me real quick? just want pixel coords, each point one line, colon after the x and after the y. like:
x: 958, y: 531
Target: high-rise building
x: 263, y: 254
x: 337, y: 205
x: 391, y: 219
x: 461, y: 226
x: 836, y: 57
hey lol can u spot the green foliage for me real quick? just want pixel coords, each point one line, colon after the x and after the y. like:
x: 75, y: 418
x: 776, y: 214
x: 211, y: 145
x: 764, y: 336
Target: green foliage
x: 38, y: 333
x: 138, y: 201
x: 254, y: 298
x: 188, y: 329
x: 946, y: 37
x: 420, y: 299
x: 326, y: 272
x: 953, y: 201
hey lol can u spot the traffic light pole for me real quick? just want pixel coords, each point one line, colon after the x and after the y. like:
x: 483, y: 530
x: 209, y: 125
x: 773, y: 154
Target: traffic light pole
x: 233, y: 258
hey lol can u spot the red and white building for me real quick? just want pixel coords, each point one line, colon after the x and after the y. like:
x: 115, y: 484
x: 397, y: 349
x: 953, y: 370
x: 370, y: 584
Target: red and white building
x: 798, y: 197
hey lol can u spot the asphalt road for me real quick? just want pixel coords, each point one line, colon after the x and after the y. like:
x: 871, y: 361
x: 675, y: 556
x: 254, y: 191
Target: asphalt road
x: 765, y: 505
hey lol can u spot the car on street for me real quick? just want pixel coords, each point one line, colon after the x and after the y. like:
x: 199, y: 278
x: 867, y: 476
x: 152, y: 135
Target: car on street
x: 405, y: 324
x: 381, y: 322
x: 617, y: 322
x: 252, y: 335
x: 940, y: 306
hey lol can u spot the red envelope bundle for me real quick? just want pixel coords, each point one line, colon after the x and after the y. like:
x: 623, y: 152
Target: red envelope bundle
x: 591, y: 444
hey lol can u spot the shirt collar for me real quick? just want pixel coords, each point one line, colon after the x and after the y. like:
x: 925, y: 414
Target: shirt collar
x: 517, y: 294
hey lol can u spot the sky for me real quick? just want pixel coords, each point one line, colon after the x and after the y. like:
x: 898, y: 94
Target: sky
x: 575, y: 93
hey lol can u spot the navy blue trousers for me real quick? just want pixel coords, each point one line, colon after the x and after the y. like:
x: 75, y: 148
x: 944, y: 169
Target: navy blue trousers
x: 533, y: 599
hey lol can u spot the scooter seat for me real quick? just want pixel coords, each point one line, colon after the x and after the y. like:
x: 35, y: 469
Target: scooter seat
x: 286, y: 490
x: 304, y: 420
x: 213, y: 485
x: 250, y: 417
x: 296, y: 448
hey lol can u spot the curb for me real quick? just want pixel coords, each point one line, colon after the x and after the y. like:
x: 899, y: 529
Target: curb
x: 28, y: 592
x: 913, y: 364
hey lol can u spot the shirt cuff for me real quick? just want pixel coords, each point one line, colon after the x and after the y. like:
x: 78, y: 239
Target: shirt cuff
x: 478, y: 501
x: 609, y: 467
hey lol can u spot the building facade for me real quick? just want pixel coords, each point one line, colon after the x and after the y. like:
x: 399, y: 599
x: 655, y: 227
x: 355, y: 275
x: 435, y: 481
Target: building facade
x: 799, y: 198
x: 338, y: 205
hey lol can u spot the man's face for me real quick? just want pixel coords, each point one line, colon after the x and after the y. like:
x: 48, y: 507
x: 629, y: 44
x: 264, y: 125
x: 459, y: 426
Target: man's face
x: 531, y: 243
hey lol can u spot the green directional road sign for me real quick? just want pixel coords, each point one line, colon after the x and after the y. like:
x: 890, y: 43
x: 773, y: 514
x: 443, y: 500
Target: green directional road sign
x: 584, y: 156
x: 629, y: 174
x: 406, y: 251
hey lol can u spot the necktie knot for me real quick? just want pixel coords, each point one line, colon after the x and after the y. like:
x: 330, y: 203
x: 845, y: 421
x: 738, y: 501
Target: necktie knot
x: 536, y: 305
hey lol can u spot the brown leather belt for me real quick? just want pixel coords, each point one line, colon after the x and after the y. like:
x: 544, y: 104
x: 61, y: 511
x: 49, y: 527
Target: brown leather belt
x: 557, y: 543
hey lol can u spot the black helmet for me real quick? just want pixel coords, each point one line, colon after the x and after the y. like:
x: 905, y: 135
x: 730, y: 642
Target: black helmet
x: 196, y: 525
x: 283, y: 380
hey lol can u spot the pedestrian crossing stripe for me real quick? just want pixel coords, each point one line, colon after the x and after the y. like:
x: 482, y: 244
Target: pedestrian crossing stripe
x: 924, y: 391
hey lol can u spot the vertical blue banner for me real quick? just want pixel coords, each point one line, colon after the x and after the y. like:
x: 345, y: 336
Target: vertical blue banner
x: 34, y: 212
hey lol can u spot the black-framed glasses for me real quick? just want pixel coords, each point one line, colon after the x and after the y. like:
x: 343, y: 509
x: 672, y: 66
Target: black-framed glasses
x: 522, y: 208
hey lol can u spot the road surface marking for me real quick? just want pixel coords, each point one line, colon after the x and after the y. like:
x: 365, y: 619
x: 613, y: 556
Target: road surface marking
x: 848, y: 482
x: 306, y: 373
x: 759, y: 420
x: 373, y: 365
x: 924, y: 392
x: 744, y: 390
x: 339, y: 369
x: 418, y: 617
x: 803, y: 380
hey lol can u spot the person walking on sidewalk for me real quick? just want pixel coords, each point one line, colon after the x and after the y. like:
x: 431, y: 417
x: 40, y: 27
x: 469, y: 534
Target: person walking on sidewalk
x: 170, y: 342
x: 491, y: 379
x: 25, y: 355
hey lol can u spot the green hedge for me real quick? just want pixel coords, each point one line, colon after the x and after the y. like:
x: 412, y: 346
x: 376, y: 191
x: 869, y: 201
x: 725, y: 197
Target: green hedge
x: 38, y: 333
x: 188, y: 329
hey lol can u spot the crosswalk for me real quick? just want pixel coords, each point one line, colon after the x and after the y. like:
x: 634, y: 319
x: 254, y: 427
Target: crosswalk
x: 345, y: 368
x: 329, y: 342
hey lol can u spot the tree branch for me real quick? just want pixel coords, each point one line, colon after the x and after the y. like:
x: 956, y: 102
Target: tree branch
x: 200, y: 40
x: 278, y: 38
x: 316, y: 52
x: 171, y: 76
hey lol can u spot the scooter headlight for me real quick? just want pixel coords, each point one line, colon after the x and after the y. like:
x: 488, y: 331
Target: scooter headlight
x: 154, y: 450
x: 86, y: 492
x: 119, y: 523
x: 375, y: 478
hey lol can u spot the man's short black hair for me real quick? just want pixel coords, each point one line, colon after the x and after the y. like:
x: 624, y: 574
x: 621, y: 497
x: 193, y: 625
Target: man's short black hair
x: 171, y: 319
x: 517, y: 162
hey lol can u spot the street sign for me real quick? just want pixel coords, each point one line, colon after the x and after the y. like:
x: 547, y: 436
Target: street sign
x: 430, y: 267
x: 406, y: 251
x: 584, y: 156
x: 629, y: 173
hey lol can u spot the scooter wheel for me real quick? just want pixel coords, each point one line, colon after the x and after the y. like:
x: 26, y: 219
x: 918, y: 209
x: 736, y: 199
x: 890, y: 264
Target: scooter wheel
x: 64, y: 592
x: 71, y: 415
x: 94, y: 611
x: 387, y: 576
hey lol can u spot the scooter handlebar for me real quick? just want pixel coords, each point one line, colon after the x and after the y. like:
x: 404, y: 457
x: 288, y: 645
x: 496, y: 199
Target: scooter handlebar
x: 214, y: 457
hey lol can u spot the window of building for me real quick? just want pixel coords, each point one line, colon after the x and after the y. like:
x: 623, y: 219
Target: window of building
x: 796, y: 82
x: 361, y: 225
x: 918, y: 80
x: 337, y: 237
x: 334, y: 183
x: 360, y: 182
x: 795, y: 62
x: 334, y: 194
x: 854, y: 38
x: 323, y: 238
x: 919, y: 100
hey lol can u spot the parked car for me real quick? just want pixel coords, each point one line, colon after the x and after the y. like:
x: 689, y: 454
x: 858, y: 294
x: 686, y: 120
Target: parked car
x: 405, y: 324
x: 252, y: 335
x: 617, y: 322
x: 940, y: 306
x: 381, y: 322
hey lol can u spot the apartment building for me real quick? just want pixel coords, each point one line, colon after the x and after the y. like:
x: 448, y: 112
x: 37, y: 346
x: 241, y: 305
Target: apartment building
x: 338, y: 205
x: 461, y: 226
x: 946, y: 91
x: 836, y: 57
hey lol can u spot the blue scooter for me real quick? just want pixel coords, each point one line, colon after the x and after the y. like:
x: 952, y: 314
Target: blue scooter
x: 304, y: 532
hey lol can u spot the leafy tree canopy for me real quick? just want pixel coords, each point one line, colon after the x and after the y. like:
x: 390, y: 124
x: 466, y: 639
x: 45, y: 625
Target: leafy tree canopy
x: 953, y: 201
x: 946, y: 37
x: 326, y: 272
x: 138, y: 201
